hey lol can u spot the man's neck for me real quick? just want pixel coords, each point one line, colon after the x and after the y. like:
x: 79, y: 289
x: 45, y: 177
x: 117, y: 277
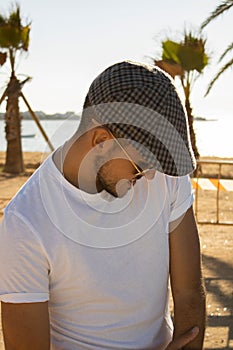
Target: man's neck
x: 69, y: 158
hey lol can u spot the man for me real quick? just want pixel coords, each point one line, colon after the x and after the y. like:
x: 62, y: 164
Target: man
x: 88, y: 244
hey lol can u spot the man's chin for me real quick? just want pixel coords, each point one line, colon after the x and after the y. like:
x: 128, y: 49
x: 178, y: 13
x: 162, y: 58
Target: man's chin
x: 118, y: 191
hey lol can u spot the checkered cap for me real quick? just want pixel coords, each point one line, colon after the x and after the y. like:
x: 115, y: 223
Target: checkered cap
x: 139, y: 103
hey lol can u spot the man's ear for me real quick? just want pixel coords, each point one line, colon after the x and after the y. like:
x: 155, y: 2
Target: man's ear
x: 100, y: 135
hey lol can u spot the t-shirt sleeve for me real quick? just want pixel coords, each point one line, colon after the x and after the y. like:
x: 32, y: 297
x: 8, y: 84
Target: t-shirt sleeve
x: 24, y: 268
x: 182, y: 197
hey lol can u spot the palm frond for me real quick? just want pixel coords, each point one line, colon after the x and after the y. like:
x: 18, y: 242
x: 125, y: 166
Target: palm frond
x: 224, y: 6
x: 228, y: 49
x: 222, y: 70
x: 13, y: 35
x: 15, y: 17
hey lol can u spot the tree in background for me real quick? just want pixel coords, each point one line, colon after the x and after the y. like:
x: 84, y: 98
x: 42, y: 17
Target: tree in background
x: 220, y: 9
x: 14, y: 39
x: 2, y: 58
x: 185, y: 59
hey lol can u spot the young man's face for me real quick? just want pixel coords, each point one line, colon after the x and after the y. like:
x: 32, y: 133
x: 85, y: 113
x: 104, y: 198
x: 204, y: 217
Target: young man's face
x: 116, y: 177
x: 109, y: 164
x: 121, y: 170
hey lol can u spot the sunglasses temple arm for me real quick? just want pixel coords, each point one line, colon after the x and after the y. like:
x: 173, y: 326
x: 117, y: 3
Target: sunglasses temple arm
x: 124, y: 151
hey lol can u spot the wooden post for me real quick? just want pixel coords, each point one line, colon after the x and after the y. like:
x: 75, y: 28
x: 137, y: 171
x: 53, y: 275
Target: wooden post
x: 217, y: 198
x: 3, y: 96
x: 36, y: 119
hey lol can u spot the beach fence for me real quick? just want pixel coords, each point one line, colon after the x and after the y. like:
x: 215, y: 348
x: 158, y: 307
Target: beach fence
x: 218, y: 190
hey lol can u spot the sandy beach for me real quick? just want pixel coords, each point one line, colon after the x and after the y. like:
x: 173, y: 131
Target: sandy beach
x: 216, y: 246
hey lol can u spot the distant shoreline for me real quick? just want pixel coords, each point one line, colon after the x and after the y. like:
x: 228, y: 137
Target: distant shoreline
x: 202, y: 119
x: 73, y: 116
x: 44, y: 116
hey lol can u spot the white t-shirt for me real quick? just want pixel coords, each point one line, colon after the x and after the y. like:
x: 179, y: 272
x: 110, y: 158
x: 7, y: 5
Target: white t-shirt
x: 101, y: 262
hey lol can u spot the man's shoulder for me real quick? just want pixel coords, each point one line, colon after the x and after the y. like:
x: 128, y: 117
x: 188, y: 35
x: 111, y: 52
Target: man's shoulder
x: 174, y: 181
x: 176, y: 184
x: 28, y: 212
x: 28, y: 197
x: 170, y: 181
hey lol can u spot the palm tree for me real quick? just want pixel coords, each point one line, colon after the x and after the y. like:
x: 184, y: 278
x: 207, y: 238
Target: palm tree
x: 2, y: 58
x: 220, y: 9
x: 14, y: 39
x: 187, y: 60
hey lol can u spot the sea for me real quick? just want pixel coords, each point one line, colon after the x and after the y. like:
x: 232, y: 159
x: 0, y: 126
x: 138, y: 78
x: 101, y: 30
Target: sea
x: 214, y: 136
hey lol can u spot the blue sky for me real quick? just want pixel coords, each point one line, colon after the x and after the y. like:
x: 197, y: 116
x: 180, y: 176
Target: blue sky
x: 73, y: 41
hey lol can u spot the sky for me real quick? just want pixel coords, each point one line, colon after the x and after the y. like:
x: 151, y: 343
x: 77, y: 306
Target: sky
x: 72, y: 41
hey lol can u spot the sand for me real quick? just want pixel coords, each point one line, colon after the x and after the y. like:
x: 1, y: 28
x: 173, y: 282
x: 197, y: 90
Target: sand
x: 216, y: 248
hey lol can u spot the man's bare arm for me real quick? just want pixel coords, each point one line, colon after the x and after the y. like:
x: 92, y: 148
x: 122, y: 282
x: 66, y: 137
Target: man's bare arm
x: 26, y: 326
x: 186, y: 279
x: 183, y: 339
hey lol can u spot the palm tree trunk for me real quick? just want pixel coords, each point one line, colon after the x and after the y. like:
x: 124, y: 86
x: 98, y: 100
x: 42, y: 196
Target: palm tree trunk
x: 186, y: 84
x: 191, y: 129
x: 14, y: 156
